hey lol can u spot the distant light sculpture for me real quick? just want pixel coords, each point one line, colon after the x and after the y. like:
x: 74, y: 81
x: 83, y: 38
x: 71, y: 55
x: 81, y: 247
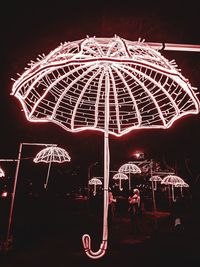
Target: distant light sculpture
x: 154, y: 179
x: 129, y: 168
x: 120, y: 176
x: 181, y: 185
x: 172, y: 180
x: 2, y: 173
x: 95, y: 181
x: 49, y: 155
x: 110, y: 85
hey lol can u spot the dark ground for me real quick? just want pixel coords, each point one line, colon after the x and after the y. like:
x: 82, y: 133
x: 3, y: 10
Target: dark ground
x: 47, y: 232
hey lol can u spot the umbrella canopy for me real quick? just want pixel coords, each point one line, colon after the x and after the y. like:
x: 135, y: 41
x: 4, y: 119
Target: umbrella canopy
x: 172, y: 180
x: 106, y: 84
x: 49, y: 155
x: 120, y: 176
x: 2, y: 173
x: 52, y: 154
x: 69, y: 87
x: 95, y: 181
x: 184, y: 184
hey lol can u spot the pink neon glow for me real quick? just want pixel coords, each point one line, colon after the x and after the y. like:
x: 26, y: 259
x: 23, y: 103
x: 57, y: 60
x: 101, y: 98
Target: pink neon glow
x: 67, y: 87
x: 120, y: 176
x: 106, y: 84
x: 172, y: 180
x: 52, y: 154
x: 129, y: 168
x: 2, y: 173
x: 4, y: 194
x: 49, y: 155
x: 154, y: 179
x: 95, y: 181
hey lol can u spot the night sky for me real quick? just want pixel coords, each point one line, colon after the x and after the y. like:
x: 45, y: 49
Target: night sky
x: 34, y: 27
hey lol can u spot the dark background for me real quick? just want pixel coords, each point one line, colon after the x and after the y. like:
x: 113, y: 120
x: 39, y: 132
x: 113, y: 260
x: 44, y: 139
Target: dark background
x: 34, y: 27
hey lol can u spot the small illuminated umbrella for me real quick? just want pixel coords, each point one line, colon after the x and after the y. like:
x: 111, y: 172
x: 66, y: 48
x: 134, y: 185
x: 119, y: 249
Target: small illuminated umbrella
x: 154, y: 179
x: 129, y: 168
x: 2, y: 173
x: 120, y: 176
x: 181, y: 185
x: 95, y: 181
x: 49, y: 155
x: 172, y: 180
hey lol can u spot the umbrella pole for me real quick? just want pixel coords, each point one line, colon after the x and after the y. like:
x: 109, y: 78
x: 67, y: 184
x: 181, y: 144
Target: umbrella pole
x: 152, y: 187
x: 8, y: 237
x: 47, y: 178
x: 120, y: 184
x: 129, y: 180
x: 95, y: 189
x: 173, y: 199
x: 86, y: 238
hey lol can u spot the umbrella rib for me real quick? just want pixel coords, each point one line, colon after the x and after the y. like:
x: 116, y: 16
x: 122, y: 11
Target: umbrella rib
x: 81, y: 95
x: 68, y: 87
x: 98, y: 98
x: 185, y: 87
x: 161, y: 87
x: 131, y: 95
x: 178, y: 80
x: 116, y: 101
x: 150, y: 95
x: 49, y: 88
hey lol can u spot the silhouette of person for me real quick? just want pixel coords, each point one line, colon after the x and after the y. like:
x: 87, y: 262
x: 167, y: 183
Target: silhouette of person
x: 134, y: 210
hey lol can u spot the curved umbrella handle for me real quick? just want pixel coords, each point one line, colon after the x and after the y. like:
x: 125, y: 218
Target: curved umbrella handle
x: 87, y: 247
x: 86, y: 238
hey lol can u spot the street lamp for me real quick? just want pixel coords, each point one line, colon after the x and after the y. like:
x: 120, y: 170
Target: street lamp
x: 15, y: 185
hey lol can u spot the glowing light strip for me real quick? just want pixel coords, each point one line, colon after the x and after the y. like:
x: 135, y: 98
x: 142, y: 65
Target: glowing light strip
x: 81, y: 95
x: 98, y: 97
x: 131, y: 95
x: 116, y: 101
x: 52, y: 154
x: 161, y: 88
x: 148, y: 93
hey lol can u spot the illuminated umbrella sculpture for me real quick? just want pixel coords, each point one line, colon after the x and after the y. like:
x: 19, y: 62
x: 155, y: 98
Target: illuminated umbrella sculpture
x: 181, y: 185
x: 95, y: 181
x: 172, y: 180
x: 49, y: 155
x: 120, y: 176
x: 154, y: 179
x: 129, y: 168
x: 110, y: 85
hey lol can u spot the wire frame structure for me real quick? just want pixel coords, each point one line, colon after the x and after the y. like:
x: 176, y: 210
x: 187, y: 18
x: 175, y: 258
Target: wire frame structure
x: 181, y: 186
x: 120, y: 176
x: 95, y: 181
x: 2, y: 173
x: 172, y: 180
x: 129, y: 168
x: 49, y: 155
x: 154, y: 179
x: 110, y: 85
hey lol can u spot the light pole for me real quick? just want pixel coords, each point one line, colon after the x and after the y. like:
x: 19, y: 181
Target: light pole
x: 15, y: 185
